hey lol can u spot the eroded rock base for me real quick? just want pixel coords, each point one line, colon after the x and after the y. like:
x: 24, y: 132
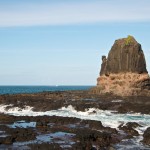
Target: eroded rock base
x: 124, y: 84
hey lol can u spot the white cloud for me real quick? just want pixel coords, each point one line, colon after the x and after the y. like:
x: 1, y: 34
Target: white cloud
x: 74, y: 13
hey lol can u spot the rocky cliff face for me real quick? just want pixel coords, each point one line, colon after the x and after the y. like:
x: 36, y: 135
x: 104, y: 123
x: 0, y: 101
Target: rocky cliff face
x: 126, y: 55
x: 124, y: 71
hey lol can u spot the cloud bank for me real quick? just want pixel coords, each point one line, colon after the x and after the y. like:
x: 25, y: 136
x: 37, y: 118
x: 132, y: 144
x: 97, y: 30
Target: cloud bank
x: 74, y: 13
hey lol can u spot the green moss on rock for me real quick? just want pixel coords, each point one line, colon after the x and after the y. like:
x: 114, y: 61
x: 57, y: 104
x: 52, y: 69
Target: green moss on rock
x: 129, y: 40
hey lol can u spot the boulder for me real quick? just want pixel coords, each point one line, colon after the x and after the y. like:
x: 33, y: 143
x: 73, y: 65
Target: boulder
x: 129, y: 129
x: 146, y: 136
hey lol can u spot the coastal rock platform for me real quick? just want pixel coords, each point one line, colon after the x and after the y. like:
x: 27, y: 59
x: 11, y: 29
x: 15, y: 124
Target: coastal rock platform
x: 73, y: 120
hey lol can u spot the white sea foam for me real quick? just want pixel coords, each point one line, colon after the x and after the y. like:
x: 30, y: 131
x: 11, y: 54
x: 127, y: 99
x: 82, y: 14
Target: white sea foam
x: 108, y: 118
x: 115, y: 101
x: 16, y: 111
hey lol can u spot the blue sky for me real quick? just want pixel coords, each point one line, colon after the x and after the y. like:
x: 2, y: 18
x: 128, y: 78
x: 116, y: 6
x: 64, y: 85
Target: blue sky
x: 60, y: 42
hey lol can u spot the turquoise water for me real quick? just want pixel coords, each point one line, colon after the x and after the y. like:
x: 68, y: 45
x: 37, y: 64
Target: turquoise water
x: 36, y: 89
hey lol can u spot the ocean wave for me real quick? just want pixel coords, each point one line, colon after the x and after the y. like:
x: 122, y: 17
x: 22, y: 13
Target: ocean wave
x: 107, y: 117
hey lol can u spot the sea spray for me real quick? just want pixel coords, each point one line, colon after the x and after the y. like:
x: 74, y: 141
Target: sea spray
x: 107, y: 117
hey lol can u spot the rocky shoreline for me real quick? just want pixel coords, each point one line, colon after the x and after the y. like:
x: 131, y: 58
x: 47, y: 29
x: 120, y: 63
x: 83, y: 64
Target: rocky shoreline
x: 80, y: 100
x: 62, y: 132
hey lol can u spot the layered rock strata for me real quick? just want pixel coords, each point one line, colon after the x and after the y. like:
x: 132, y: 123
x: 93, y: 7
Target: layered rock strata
x: 126, y: 55
x: 124, y: 71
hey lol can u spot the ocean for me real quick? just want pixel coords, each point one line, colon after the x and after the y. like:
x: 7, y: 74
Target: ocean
x: 36, y: 89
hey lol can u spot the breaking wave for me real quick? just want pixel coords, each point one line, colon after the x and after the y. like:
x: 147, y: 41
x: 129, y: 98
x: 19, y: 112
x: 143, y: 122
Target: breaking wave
x: 108, y: 118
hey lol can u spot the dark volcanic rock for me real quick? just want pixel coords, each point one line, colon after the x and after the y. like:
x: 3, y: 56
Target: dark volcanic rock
x: 146, y: 136
x: 124, y: 72
x: 45, y: 146
x: 17, y: 135
x: 129, y: 129
x: 7, y: 140
x: 89, y: 138
x: 126, y: 55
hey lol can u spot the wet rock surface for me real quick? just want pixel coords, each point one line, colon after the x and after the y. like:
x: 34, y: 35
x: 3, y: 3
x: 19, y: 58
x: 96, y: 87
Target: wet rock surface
x: 56, y: 132
x: 80, y: 100
x: 59, y: 133
x: 146, y: 136
x: 129, y: 128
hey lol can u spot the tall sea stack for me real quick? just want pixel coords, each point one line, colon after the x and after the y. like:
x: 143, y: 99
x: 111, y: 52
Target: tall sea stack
x: 124, y: 71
